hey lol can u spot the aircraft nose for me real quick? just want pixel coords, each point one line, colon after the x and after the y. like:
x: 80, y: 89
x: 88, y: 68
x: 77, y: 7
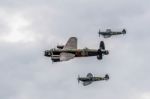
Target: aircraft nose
x: 47, y: 53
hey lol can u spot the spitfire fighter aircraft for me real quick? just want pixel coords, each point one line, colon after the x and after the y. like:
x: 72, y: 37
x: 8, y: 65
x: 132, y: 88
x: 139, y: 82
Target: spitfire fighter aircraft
x: 109, y: 33
x: 89, y: 79
x: 70, y: 50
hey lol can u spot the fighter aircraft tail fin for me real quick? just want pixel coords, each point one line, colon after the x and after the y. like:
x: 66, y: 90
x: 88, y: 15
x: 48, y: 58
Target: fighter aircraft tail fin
x: 124, y: 31
x: 106, y: 77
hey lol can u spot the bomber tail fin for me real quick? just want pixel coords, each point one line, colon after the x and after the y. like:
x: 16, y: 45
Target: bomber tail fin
x: 102, y: 51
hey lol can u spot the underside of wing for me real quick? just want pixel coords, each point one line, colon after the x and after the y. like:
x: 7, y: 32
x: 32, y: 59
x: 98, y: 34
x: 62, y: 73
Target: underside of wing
x: 66, y: 56
x: 87, y: 83
x: 71, y: 43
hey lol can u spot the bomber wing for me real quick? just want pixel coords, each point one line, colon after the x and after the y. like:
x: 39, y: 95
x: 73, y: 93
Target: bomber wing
x: 66, y: 56
x: 71, y: 43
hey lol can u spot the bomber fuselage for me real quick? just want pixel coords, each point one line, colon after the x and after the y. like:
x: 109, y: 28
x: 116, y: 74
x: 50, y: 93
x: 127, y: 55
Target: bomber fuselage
x: 76, y: 52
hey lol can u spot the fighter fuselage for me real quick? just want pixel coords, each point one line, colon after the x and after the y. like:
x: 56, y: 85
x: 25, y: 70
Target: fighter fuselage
x: 109, y: 33
x: 84, y: 79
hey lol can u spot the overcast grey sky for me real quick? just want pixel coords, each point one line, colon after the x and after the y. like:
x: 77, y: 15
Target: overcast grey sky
x: 28, y: 27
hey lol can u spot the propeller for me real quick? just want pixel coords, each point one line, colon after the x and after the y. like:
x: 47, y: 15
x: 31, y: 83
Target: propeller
x: 99, y: 32
x: 51, y: 52
x: 52, y: 60
x: 78, y: 79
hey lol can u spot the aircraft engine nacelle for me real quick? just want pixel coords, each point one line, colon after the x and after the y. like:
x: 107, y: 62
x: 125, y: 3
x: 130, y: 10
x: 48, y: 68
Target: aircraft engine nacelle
x: 55, y: 58
x: 60, y: 46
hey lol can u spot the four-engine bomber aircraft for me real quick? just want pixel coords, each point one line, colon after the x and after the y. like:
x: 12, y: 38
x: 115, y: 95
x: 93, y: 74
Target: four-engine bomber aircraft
x: 109, y: 33
x: 89, y: 79
x: 69, y: 51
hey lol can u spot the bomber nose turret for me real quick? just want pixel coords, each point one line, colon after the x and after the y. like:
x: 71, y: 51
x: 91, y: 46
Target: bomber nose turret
x: 47, y: 53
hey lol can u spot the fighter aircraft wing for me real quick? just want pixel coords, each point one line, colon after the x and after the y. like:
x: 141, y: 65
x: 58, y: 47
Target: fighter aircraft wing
x: 66, y: 56
x: 87, y: 83
x: 71, y: 43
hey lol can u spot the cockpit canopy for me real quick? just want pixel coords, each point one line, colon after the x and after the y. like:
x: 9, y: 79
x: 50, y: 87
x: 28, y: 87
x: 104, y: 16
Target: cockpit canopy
x: 108, y: 30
